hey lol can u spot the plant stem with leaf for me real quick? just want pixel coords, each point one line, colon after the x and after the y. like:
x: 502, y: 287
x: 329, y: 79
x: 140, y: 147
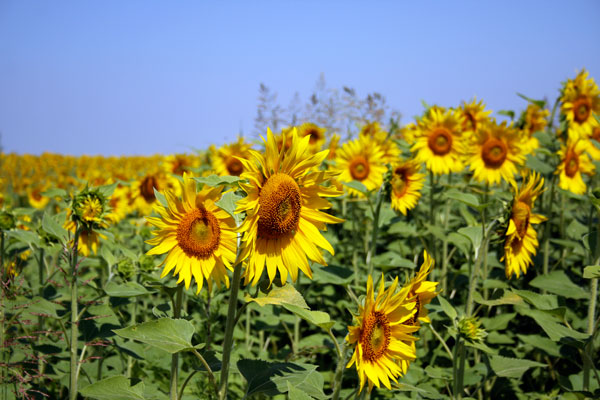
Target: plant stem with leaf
x: 74, y: 316
x: 175, y: 357
x: 373, y: 248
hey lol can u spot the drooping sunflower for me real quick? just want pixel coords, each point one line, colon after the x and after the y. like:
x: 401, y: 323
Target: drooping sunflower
x: 199, y: 237
x: 521, y: 238
x: 574, y: 162
x: 580, y: 100
x: 474, y: 115
x: 534, y: 119
x: 438, y: 141
x: 406, y: 185
x: 361, y: 160
x: 225, y: 160
x: 495, y: 152
x: 315, y: 133
x: 382, y: 334
x: 423, y: 290
x: 283, y: 210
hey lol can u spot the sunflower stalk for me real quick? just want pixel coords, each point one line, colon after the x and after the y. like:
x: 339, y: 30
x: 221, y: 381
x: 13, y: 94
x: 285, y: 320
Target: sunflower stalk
x: 175, y: 357
x: 373, y: 248
x: 74, y: 316
x: 445, y: 244
x: 229, y: 326
x: 589, y: 347
x: 339, y: 372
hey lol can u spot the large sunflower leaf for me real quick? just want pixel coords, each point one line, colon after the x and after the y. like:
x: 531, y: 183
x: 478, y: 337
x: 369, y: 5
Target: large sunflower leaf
x: 114, y: 388
x: 558, y: 282
x: 171, y: 335
x: 511, y: 367
x: 318, y: 318
x: 216, y: 180
x: 287, y: 294
x: 127, y: 289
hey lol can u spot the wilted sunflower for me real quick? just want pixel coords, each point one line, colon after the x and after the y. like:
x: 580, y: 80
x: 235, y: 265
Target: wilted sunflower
x: 474, y: 115
x: 361, y: 160
x: 438, y: 141
x: 494, y: 153
x: 225, y: 160
x: 580, y: 100
x: 315, y: 133
x: 574, y: 162
x: 200, y: 237
x: 382, y: 334
x: 406, y: 185
x: 521, y: 239
x: 283, y: 217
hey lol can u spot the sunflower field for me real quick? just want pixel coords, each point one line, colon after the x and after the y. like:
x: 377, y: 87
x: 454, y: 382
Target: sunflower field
x: 453, y: 257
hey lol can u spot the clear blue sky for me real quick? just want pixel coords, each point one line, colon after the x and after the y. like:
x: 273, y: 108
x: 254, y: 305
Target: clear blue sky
x: 143, y: 77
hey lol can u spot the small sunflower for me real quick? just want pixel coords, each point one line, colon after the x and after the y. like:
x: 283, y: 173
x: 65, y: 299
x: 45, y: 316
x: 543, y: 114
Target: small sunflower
x: 373, y: 131
x: 495, y: 152
x: 36, y: 198
x: 474, y: 115
x: 423, y: 290
x: 88, y: 214
x: 382, y: 334
x: 315, y: 133
x: 177, y: 164
x: 361, y: 160
x: 574, y: 162
x: 142, y: 191
x: 283, y: 218
x: 333, y: 146
x: 406, y: 185
x: 580, y: 100
x: 438, y: 142
x: 225, y: 160
x: 521, y: 239
x: 119, y: 204
x: 199, y: 237
x: 534, y: 119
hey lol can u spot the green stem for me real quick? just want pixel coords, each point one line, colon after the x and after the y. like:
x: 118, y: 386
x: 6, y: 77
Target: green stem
x: 476, y: 271
x: 442, y: 341
x: 548, y: 227
x: 485, y: 249
x: 460, y: 375
x: 175, y: 357
x: 41, y: 364
x: 4, y: 374
x: 229, y: 326
x: 74, y: 316
x: 211, y: 376
x: 431, y: 211
x: 375, y: 231
x: 445, y: 245
x: 339, y: 372
x: 589, y: 349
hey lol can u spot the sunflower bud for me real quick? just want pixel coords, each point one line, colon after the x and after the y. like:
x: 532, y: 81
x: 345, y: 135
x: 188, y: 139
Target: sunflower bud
x: 7, y: 220
x: 470, y: 329
x: 126, y: 269
x: 146, y: 263
x: 88, y: 208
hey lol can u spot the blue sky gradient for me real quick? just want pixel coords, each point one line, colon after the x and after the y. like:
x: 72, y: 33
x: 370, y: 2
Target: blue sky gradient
x: 143, y: 77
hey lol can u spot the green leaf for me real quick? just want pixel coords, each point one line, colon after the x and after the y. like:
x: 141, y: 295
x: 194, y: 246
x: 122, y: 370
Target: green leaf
x: 216, y: 180
x: 39, y: 305
x: 467, y: 198
x: 318, y: 318
x: 26, y: 237
x: 507, y: 298
x: 591, y: 272
x: 460, y: 241
x: 108, y: 256
x: 55, y: 192
x: 272, y: 378
x: 170, y: 335
x: 114, y: 388
x: 287, y: 294
x: 331, y: 274
x: 227, y: 203
x: 507, y: 113
x: 542, y: 343
x: 296, y: 394
x: 539, y: 103
x: 552, y: 325
x: 161, y: 198
x: 127, y: 289
x: 499, y: 322
x: 356, y: 185
x: 474, y: 234
x: 558, y: 282
x: 52, y: 226
x: 511, y: 367
x: 447, y: 307
x: 539, y: 301
x: 107, y: 190
x: 538, y: 165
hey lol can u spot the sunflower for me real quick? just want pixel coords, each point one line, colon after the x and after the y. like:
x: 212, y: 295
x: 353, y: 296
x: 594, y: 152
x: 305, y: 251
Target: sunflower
x: 594, y: 147
x: 225, y: 160
x: 177, y: 164
x: 382, y: 334
x: 283, y: 216
x: 373, y: 130
x: 361, y: 160
x: 534, y: 119
x: 36, y: 198
x: 474, y: 115
x: 119, y: 204
x: 521, y: 239
x: 494, y: 152
x: 315, y: 133
x: 199, y: 237
x: 574, y: 162
x: 438, y: 141
x: 333, y: 146
x: 87, y: 213
x: 580, y: 100
x: 406, y: 185
x: 142, y: 191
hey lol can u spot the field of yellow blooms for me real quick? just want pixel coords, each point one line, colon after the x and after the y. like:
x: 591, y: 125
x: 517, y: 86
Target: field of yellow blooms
x: 456, y: 256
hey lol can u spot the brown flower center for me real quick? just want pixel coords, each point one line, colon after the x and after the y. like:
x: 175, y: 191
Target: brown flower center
x: 198, y: 233
x: 521, y: 213
x: 596, y: 134
x: 37, y: 196
x: 440, y: 141
x: 571, y: 164
x: 399, y: 182
x: 493, y: 153
x: 582, y: 108
x: 375, y: 336
x: 234, y: 166
x: 280, y: 205
x: 359, y: 168
x: 471, y: 120
x: 179, y: 166
x: 314, y: 135
x: 147, y: 188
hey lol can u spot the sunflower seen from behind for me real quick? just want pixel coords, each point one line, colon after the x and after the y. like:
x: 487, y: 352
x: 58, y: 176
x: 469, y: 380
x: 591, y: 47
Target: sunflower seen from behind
x: 285, y: 195
x: 521, y: 241
x: 438, y: 141
x: 199, y: 238
x: 574, y: 161
x: 534, y: 119
x: 361, y: 160
x: 494, y: 153
x: 406, y: 184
